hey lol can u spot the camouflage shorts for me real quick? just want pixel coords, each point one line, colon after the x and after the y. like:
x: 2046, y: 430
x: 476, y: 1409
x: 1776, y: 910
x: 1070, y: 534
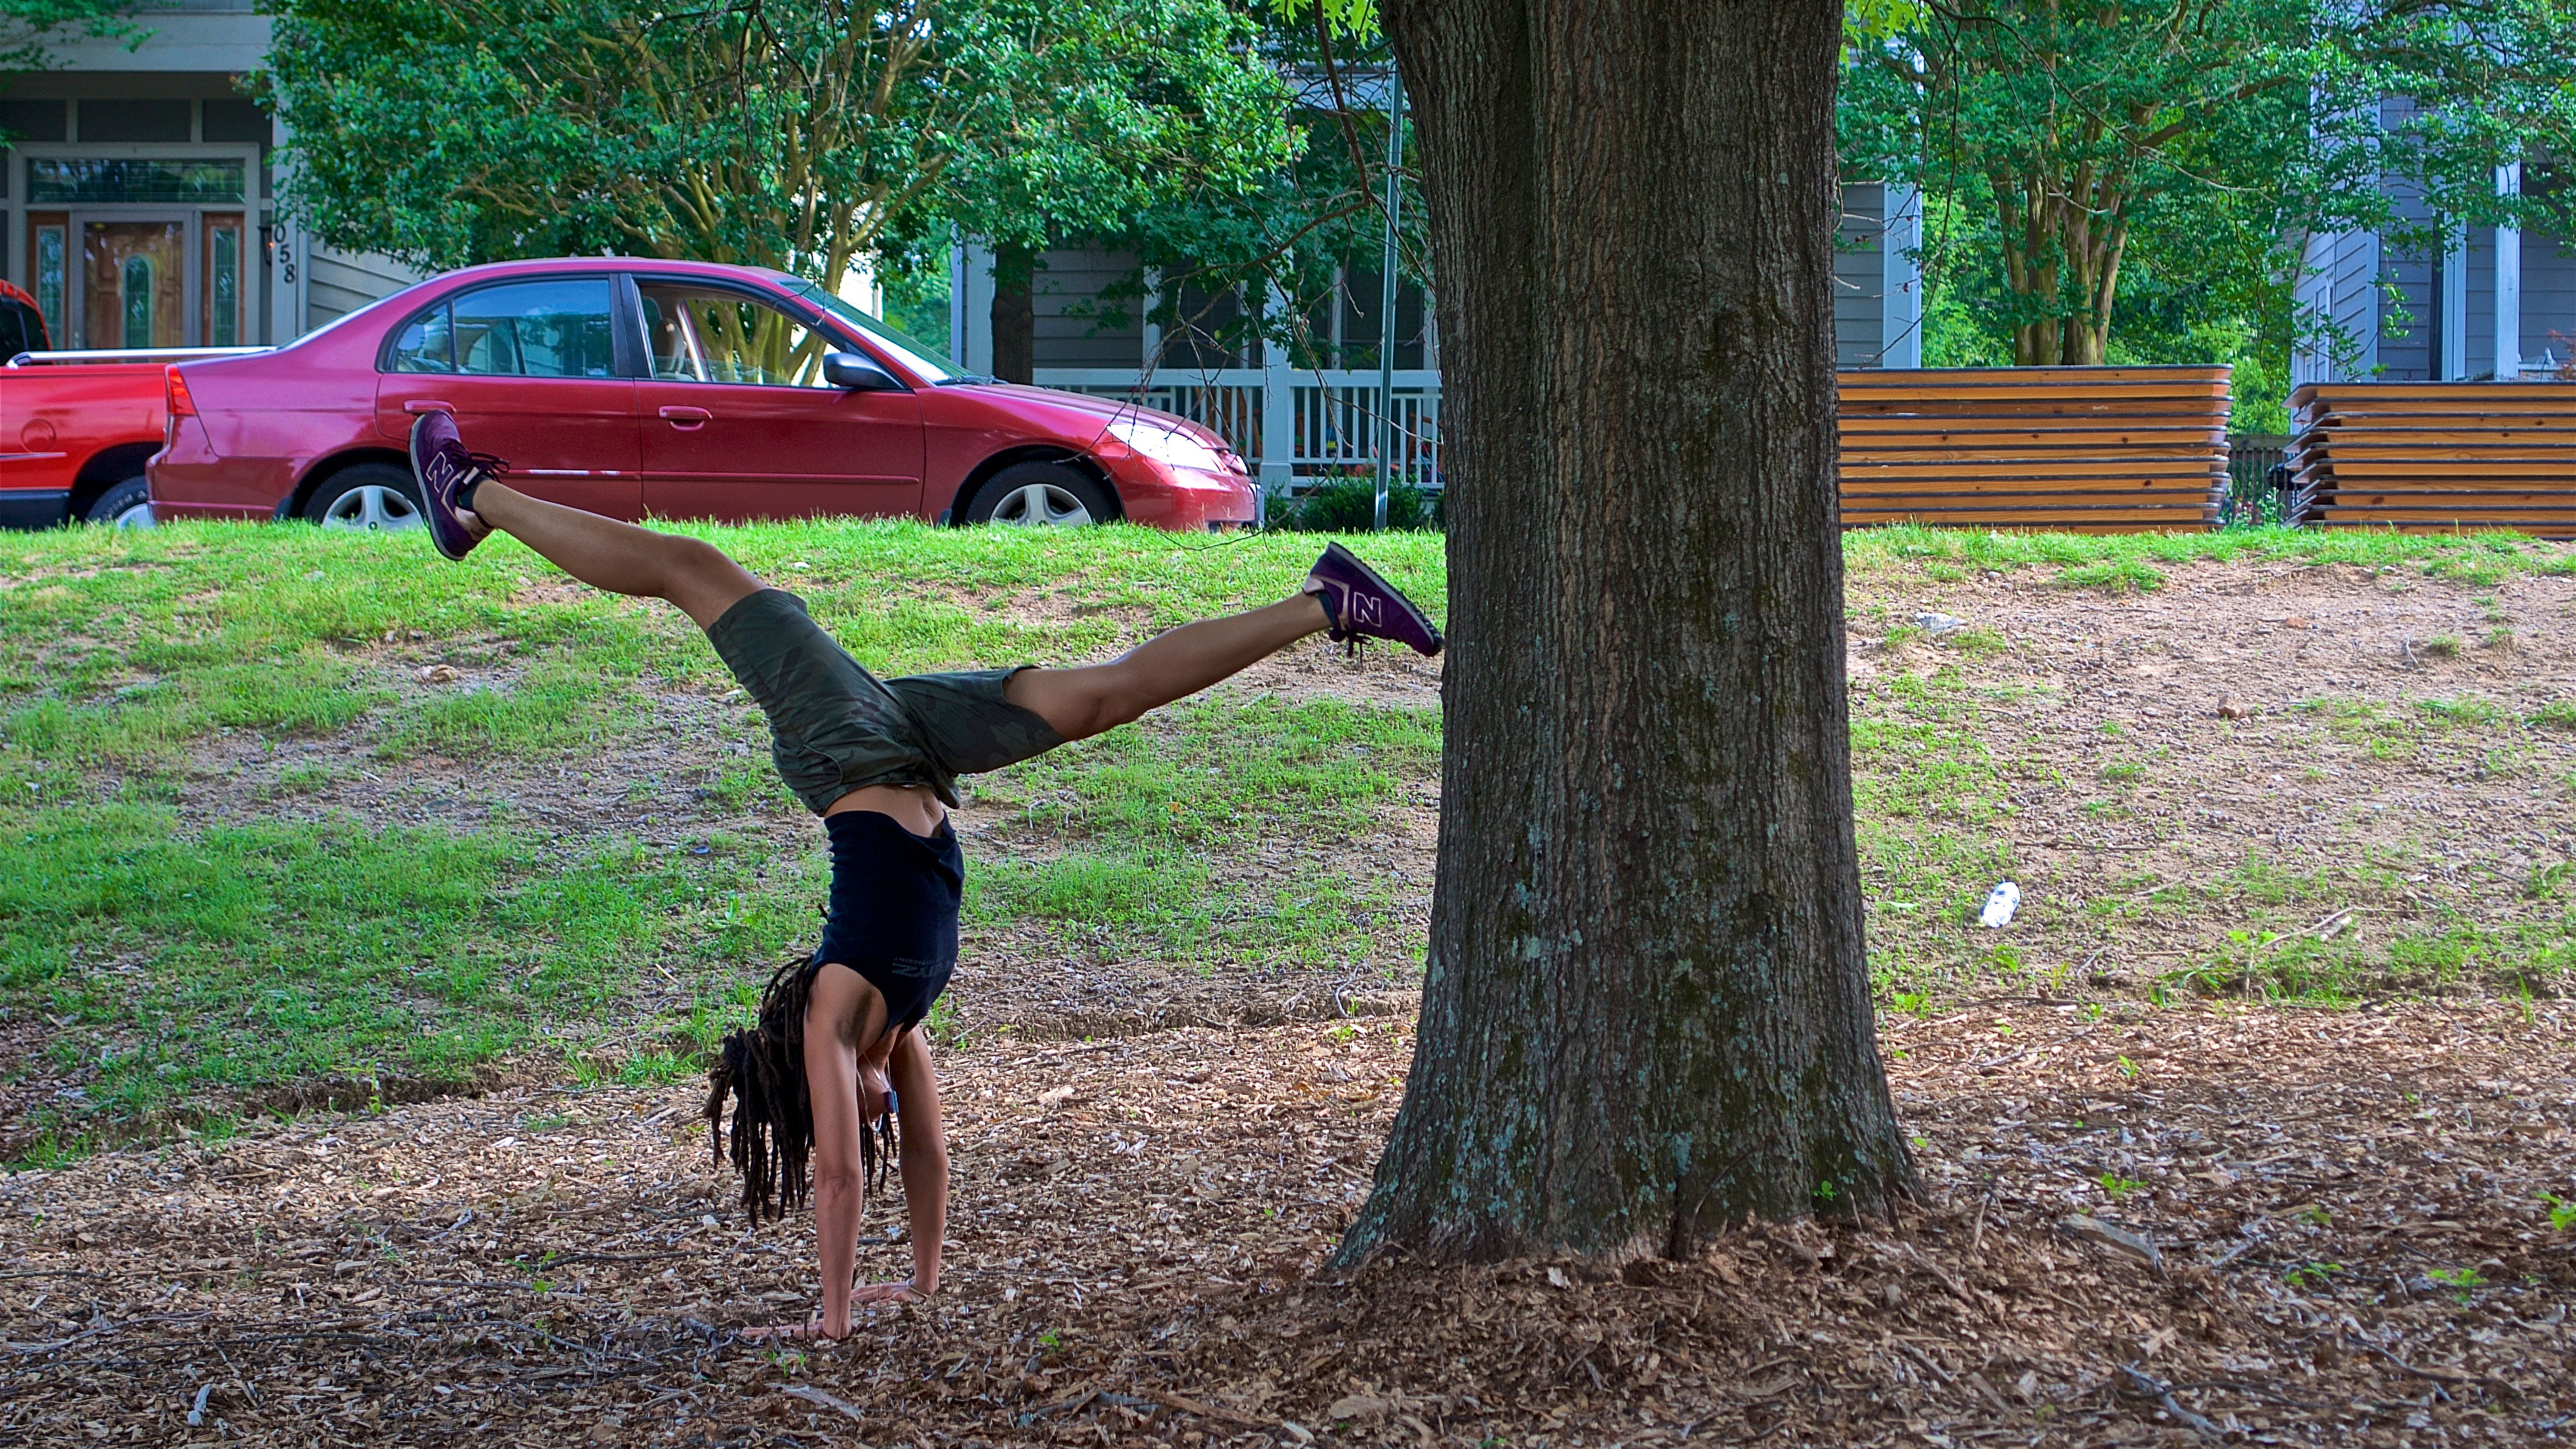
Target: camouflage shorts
x: 834, y: 727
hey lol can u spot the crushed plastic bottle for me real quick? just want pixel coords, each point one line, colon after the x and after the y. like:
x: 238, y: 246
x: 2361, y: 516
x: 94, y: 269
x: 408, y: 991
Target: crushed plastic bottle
x: 2001, y: 902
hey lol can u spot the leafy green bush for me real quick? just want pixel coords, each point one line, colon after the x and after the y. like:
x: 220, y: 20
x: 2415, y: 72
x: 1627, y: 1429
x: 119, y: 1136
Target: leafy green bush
x: 1349, y: 505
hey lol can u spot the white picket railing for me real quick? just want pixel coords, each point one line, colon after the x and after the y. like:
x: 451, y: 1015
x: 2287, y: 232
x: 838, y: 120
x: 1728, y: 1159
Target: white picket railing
x: 1294, y: 428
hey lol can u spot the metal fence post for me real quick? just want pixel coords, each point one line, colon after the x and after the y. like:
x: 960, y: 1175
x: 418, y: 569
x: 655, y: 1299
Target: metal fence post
x: 1386, y: 313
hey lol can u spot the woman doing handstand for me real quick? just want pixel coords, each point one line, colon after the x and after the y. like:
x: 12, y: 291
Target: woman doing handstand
x: 837, y: 1048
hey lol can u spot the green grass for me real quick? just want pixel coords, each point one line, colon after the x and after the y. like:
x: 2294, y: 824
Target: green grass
x: 2114, y: 576
x: 171, y: 965
x: 2474, y: 559
x: 118, y: 649
x: 1138, y: 814
x: 180, y: 971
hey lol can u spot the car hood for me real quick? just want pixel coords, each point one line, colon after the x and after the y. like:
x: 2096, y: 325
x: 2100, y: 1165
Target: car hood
x: 1084, y: 412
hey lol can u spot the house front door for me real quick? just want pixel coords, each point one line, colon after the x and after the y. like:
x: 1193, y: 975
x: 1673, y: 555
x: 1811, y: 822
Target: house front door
x: 134, y: 281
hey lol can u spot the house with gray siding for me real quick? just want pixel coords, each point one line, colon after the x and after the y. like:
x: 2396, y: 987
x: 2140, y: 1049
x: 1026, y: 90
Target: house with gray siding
x: 2492, y: 302
x: 137, y: 202
x: 1300, y: 419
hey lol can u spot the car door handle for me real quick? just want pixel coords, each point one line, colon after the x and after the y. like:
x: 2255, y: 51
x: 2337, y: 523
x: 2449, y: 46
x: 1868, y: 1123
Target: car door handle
x: 418, y: 405
x: 680, y: 417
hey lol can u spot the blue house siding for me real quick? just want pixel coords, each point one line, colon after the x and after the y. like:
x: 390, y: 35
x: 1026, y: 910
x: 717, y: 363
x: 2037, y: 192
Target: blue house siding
x: 2548, y: 300
x: 1859, y: 277
x: 2353, y: 273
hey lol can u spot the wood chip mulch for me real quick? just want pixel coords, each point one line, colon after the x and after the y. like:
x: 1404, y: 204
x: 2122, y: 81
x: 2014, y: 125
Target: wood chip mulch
x: 2170, y: 1226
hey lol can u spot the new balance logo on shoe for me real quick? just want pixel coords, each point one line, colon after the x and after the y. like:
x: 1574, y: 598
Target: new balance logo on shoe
x: 1360, y: 605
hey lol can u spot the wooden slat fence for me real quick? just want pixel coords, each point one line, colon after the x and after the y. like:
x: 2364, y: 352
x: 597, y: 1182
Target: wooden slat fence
x: 2082, y: 449
x: 2436, y: 456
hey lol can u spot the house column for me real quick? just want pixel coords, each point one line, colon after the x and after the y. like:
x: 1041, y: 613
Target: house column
x: 2508, y: 282
x: 1278, y: 400
x: 2453, y: 364
x: 1900, y: 325
x: 957, y: 299
x: 1149, y: 331
x: 970, y: 306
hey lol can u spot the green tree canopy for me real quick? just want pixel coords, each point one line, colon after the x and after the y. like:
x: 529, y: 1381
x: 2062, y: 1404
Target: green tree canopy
x: 800, y: 134
x: 2075, y: 151
x: 1319, y: 212
x: 30, y: 29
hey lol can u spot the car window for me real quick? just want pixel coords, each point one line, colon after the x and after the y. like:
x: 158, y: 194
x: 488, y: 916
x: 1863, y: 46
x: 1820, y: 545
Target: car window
x: 519, y: 329
x: 925, y: 361
x: 703, y: 334
x: 424, y: 345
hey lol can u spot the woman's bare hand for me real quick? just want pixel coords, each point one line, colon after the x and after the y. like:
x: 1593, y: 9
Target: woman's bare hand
x: 902, y: 1292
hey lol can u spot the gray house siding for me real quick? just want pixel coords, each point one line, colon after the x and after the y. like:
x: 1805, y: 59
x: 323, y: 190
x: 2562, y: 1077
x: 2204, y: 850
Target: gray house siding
x: 339, y: 283
x: 2392, y: 308
x: 175, y: 95
x: 1065, y: 296
x: 2354, y: 273
x: 2410, y: 308
x: 1860, y: 277
x: 2548, y: 300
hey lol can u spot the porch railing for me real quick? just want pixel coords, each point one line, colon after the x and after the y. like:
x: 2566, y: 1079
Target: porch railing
x: 1295, y: 429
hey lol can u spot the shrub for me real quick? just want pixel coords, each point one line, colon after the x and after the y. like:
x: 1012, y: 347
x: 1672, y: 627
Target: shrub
x: 1349, y: 505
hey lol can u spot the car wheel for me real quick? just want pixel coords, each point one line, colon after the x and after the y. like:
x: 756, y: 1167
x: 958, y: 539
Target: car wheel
x: 127, y: 505
x: 372, y: 497
x: 1040, y: 495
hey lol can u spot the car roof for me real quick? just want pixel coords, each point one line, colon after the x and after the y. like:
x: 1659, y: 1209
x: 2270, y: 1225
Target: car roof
x: 664, y: 265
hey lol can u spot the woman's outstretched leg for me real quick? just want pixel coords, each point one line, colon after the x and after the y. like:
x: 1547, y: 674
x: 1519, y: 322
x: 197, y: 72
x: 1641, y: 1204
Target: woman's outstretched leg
x: 1342, y: 595
x: 619, y: 557
x: 465, y: 500
x: 1172, y: 665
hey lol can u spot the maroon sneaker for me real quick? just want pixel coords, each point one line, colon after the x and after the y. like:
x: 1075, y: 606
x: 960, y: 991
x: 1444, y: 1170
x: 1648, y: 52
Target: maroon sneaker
x: 446, y: 475
x: 1361, y: 605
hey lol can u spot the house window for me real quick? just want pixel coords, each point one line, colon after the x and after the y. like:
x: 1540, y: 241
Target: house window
x: 223, y: 281
x: 137, y: 289
x: 52, y: 236
x: 1343, y: 329
x: 1209, y: 330
x: 118, y: 182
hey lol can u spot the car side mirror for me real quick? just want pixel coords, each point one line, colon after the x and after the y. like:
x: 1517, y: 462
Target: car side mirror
x: 857, y: 374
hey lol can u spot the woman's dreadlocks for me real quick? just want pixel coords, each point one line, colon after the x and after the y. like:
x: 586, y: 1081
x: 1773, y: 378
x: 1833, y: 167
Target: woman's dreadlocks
x: 762, y: 1067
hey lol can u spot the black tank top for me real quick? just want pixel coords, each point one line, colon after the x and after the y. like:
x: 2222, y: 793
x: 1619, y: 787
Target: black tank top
x: 893, y: 917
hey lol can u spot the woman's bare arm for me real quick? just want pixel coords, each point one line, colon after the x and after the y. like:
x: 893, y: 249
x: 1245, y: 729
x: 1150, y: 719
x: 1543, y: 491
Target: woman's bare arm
x: 843, y: 1011
x: 923, y: 1159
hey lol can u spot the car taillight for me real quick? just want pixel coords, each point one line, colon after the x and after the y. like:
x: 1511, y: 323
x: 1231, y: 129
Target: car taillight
x: 180, y: 404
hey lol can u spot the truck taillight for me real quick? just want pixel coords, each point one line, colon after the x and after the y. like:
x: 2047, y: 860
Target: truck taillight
x: 181, y: 405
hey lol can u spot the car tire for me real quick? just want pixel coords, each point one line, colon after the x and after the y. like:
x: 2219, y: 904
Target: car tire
x: 127, y: 505
x: 1041, y: 495
x: 371, y: 498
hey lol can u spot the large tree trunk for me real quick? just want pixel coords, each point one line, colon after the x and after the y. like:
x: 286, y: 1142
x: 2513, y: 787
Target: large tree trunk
x: 1015, y: 319
x: 1647, y: 1012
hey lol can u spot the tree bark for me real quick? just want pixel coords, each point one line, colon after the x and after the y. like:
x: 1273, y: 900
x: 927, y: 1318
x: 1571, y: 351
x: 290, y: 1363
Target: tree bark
x: 1015, y: 319
x: 1647, y: 1010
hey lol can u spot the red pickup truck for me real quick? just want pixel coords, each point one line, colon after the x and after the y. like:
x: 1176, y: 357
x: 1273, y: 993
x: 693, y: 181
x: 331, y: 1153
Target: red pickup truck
x: 77, y: 427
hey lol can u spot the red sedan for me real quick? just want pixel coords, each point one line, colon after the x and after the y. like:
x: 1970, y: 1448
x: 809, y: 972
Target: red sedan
x: 672, y: 389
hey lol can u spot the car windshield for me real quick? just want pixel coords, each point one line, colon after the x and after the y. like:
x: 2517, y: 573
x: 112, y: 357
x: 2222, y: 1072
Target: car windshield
x: 924, y: 361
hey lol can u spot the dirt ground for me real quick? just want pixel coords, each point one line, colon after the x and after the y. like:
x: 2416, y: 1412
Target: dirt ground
x: 2197, y: 1224
x: 2317, y: 1228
